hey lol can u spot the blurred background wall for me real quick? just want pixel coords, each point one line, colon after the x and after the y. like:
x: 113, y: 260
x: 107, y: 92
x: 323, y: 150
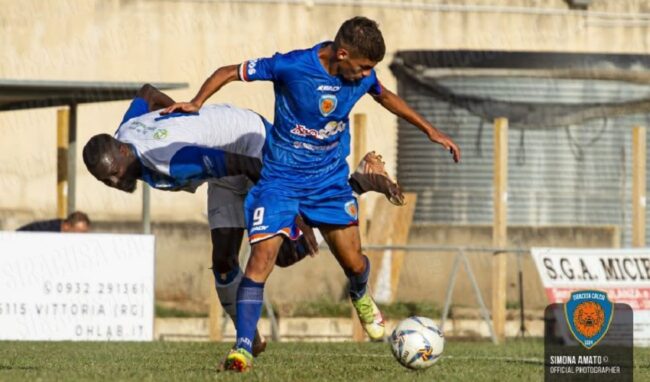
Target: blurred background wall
x: 185, y: 40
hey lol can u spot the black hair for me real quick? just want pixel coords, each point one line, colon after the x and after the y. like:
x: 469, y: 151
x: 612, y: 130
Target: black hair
x: 96, y: 148
x: 363, y: 37
x: 77, y: 217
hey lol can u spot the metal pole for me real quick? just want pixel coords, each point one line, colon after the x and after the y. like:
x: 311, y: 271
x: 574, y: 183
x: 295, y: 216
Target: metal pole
x: 146, y: 209
x: 450, y: 290
x: 275, y: 330
x: 481, y: 303
x: 522, y: 323
x: 72, y: 157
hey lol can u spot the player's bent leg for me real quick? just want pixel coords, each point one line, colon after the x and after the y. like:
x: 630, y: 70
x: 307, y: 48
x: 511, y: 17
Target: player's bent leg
x: 225, y: 266
x: 292, y: 251
x: 345, y: 244
x: 371, y: 175
x: 227, y: 222
x: 237, y: 164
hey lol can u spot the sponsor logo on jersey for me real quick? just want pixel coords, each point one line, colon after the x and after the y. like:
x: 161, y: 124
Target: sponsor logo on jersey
x: 331, y: 128
x: 140, y: 127
x: 588, y: 314
x: 328, y: 88
x: 259, y: 228
x: 351, y: 209
x: 160, y: 134
x: 327, y: 104
x: 310, y: 147
x: 303, y: 131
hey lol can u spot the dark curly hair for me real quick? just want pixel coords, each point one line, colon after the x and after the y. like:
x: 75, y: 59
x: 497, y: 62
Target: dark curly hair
x: 363, y: 37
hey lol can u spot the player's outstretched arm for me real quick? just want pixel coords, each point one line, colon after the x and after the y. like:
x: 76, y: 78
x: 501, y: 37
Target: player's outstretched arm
x: 216, y: 81
x: 154, y: 97
x: 396, y: 105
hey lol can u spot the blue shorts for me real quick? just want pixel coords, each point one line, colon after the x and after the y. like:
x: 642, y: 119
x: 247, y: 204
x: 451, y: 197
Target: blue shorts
x: 270, y: 211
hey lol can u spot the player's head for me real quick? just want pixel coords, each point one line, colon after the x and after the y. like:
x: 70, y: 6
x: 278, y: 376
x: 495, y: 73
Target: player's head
x: 76, y: 222
x: 112, y: 162
x: 358, y: 47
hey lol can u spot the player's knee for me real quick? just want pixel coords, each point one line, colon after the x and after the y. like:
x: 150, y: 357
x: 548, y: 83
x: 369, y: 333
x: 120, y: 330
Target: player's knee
x: 223, y: 261
x: 262, y: 260
x: 356, y: 265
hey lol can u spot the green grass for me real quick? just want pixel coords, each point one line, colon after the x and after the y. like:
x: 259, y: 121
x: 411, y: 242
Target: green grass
x: 320, y: 308
x: 328, y: 308
x: 168, y: 361
x: 166, y: 312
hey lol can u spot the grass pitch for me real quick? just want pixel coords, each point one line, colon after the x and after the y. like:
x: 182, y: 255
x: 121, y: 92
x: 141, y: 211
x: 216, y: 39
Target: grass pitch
x: 174, y: 361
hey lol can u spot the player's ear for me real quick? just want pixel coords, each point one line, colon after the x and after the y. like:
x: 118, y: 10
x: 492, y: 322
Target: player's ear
x: 342, y: 54
x: 123, y: 149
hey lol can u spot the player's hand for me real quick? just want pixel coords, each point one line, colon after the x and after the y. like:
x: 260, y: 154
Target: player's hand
x: 310, y: 237
x: 449, y: 145
x: 182, y: 107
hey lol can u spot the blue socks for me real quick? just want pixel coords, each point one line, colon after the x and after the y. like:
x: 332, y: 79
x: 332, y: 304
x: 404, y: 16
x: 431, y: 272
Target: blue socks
x: 250, y: 297
x: 359, y: 283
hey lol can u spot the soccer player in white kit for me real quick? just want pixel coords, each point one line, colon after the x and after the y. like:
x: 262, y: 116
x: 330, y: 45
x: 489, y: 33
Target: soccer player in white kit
x: 221, y: 145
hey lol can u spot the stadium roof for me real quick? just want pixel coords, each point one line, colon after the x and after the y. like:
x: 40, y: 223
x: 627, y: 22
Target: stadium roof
x: 27, y: 94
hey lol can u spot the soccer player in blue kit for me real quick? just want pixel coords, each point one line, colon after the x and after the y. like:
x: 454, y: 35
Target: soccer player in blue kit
x: 221, y: 145
x: 305, y: 170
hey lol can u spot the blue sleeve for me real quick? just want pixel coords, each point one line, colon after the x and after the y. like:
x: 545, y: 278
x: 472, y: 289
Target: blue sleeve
x: 137, y: 108
x: 375, y: 85
x: 259, y: 69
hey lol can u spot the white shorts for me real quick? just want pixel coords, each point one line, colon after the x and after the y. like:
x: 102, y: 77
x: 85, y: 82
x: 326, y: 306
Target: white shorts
x: 226, y: 201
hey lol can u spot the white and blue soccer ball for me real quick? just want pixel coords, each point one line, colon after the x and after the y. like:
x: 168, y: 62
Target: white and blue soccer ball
x: 417, y: 343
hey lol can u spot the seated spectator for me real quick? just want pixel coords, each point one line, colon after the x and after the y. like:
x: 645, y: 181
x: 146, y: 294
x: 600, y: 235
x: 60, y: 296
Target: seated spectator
x: 76, y: 222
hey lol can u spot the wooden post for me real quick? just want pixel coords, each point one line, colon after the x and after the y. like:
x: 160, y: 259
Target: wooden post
x: 638, y: 185
x: 401, y: 230
x: 62, y: 121
x: 500, y: 224
x: 146, y: 209
x: 359, y: 150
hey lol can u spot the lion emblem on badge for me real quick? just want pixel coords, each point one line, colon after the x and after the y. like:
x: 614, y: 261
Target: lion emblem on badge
x: 588, y: 318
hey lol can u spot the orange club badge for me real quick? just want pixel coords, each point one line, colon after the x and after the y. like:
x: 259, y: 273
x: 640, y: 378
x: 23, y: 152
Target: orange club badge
x: 327, y: 104
x: 588, y: 314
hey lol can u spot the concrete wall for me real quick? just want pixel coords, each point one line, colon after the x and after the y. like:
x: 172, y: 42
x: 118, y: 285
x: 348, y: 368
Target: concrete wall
x: 183, y: 253
x: 425, y: 275
x: 184, y: 40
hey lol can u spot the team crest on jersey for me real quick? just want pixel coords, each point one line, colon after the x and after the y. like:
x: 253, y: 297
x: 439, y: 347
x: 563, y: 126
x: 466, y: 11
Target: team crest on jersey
x: 351, y: 209
x: 327, y: 104
x: 160, y: 134
x: 588, y: 314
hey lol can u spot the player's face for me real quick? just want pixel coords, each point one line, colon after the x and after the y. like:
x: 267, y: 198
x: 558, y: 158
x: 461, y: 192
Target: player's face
x: 353, y: 68
x: 114, y: 172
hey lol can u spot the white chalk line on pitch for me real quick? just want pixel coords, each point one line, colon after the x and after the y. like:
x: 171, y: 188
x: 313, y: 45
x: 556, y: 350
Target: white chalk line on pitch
x: 531, y: 360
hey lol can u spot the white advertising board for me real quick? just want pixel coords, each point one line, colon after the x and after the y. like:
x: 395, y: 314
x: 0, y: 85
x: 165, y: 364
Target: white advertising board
x: 624, y: 274
x: 77, y: 287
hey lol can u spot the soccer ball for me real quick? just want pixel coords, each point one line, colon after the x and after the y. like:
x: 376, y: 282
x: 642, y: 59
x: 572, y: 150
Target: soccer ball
x: 417, y: 342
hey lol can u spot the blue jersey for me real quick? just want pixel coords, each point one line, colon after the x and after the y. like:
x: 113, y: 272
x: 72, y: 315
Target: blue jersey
x: 310, y: 139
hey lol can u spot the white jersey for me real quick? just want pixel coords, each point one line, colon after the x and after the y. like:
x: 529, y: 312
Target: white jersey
x: 180, y: 151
